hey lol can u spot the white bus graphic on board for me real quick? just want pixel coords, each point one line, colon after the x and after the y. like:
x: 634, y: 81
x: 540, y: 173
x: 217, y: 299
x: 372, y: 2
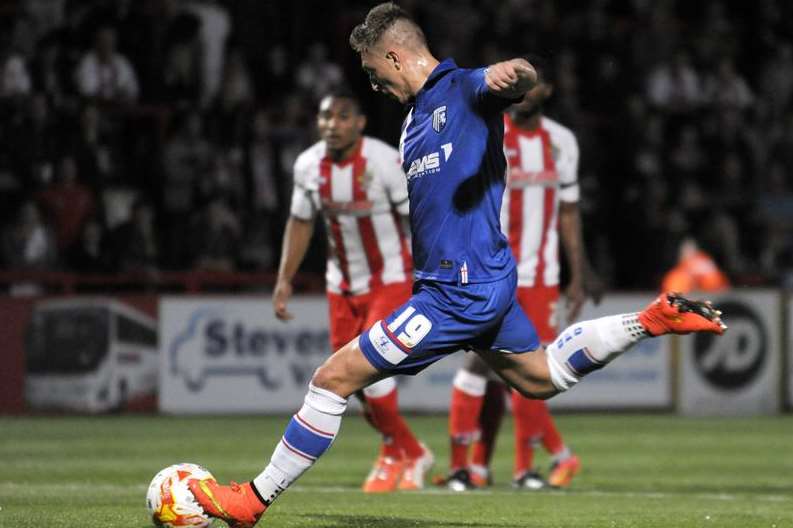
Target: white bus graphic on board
x: 90, y: 355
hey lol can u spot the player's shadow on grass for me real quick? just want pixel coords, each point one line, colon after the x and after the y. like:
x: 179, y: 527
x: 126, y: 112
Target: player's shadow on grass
x: 367, y: 521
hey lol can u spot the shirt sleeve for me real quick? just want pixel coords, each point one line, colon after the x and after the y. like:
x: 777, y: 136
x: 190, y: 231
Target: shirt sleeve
x: 394, y: 181
x: 480, y: 95
x: 303, y: 206
x: 567, y: 167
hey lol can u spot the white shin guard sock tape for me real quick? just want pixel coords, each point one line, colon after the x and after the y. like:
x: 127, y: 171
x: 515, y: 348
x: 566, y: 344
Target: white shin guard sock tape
x: 308, y: 435
x: 590, y: 345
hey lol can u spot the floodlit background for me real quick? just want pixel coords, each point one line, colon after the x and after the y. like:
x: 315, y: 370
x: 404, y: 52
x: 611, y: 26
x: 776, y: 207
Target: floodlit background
x: 682, y: 111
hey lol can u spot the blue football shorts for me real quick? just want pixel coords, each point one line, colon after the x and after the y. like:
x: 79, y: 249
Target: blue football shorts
x: 442, y: 318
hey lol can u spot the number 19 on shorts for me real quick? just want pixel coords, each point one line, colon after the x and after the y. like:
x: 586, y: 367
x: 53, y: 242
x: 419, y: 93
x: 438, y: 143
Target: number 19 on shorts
x: 415, y: 327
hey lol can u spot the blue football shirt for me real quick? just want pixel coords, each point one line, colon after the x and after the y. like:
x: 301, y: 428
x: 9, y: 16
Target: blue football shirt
x: 452, y: 153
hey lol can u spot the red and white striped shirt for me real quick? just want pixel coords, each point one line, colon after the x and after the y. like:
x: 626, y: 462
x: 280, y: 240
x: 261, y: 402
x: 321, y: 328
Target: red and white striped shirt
x: 361, y: 199
x: 542, y: 169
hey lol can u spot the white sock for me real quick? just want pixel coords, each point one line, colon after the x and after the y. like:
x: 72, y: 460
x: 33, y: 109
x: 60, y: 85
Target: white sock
x: 470, y: 383
x: 309, y: 434
x: 380, y: 388
x: 590, y: 345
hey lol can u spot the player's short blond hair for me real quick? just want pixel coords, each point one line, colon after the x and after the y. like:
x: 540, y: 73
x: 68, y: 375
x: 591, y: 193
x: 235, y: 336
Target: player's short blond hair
x: 380, y: 19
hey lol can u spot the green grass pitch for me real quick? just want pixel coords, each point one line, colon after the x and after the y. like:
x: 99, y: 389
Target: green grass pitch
x: 638, y: 471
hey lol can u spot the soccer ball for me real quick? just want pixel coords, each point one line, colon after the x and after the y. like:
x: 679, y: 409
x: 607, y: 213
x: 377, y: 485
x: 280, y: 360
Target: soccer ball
x: 170, y: 501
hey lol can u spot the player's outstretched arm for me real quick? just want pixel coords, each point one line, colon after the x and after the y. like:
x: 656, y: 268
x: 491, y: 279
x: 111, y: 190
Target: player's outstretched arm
x: 572, y: 240
x: 510, y: 79
x: 296, y: 239
x: 584, y: 282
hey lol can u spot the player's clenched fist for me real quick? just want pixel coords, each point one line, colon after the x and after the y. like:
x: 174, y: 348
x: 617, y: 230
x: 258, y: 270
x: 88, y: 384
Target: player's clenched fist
x: 281, y: 295
x: 511, y: 78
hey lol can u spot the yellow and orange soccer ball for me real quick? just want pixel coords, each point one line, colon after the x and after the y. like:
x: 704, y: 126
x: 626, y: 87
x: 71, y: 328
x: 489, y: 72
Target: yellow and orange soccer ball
x: 170, y: 501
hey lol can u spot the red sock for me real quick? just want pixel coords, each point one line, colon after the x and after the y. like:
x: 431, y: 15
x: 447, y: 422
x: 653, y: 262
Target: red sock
x: 368, y: 415
x: 398, y: 439
x: 379, y: 416
x: 367, y: 410
x: 551, y: 438
x: 489, y: 424
x: 528, y: 428
x: 463, y: 425
x: 404, y: 435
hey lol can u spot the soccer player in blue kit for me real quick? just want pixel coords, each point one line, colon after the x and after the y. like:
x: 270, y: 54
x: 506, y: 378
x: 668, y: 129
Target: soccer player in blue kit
x: 465, y: 279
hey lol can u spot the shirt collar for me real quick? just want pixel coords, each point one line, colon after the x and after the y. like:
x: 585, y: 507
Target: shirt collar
x: 439, y: 71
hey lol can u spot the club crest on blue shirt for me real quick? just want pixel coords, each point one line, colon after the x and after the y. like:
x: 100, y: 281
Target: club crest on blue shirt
x: 439, y: 119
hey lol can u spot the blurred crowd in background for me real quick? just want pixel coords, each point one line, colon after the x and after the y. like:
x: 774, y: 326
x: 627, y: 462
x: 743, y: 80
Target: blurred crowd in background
x: 145, y: 135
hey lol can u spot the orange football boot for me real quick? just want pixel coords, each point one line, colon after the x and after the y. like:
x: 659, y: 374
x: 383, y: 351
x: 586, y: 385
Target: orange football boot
x: 384, y: 476
x: 415, y: 470
x: 671, y: 313
x: 562, y: 472
x: 236, y: 504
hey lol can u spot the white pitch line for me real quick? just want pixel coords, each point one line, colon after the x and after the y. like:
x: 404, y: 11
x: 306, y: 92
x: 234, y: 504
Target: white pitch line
x: 550, y: 493
x: 79, y: 487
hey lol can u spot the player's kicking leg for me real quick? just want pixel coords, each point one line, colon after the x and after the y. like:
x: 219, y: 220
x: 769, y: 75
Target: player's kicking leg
x: 308, y: 435
x: 590, y: 345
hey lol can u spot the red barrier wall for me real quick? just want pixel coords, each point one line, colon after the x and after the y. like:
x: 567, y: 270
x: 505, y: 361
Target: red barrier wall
x: 14, y: 316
